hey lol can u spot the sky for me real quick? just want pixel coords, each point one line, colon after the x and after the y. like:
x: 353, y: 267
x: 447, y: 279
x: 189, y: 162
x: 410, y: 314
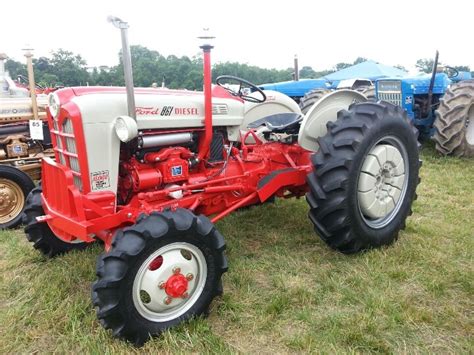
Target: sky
x: 264, y: 33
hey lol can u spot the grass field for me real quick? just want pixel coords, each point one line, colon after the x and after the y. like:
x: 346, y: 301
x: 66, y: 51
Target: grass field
x: 285, y: 290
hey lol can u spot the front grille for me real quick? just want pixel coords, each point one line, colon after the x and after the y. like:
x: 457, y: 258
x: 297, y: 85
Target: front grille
x: 392, y: 97
x: 66, y: 148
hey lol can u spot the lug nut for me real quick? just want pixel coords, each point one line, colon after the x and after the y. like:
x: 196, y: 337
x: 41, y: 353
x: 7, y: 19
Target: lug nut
x: 162, y: 285
x: 185, y: 295
x: 189, y: 277
x: 167, y: 300
x: 176, y: 270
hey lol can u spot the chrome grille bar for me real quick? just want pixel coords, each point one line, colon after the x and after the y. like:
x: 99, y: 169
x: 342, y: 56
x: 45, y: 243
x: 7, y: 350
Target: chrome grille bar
x: 392, y: 97
x: 67, y: 149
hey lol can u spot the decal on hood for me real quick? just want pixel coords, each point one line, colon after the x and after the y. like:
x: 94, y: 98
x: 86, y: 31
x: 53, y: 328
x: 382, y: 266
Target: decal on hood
x: 166, y: 111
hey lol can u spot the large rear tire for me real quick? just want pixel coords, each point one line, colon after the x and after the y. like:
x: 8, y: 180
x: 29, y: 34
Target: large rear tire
x: 311, y: 97
x: 15, y: 185
x: 162, y: 271
x: 364, y: 178
x: 454, y: 121
x: 39, y: 233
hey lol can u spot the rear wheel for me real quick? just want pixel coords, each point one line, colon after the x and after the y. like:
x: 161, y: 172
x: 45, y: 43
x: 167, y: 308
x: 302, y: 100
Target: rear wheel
x: 39, y: 233
x: 15, y: 185
x: 311, y: 97
x: 365, y: 177
x: 455, y: 121
x: 160, y: 272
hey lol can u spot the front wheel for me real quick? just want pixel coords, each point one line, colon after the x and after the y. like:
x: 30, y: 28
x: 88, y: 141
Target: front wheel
x: 15, y: 185
x: 365, y: 177
x: 160, y: 272
x: 40, y: 234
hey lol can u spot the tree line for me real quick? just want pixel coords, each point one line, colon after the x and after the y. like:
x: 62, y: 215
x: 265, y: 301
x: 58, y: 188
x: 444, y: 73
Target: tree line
x: 65, y: 68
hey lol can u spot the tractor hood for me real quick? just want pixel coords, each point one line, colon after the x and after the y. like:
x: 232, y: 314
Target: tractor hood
x: 155, y: 108
x: 297, y: 88
x: 420, y: 84
x: 95, y: 110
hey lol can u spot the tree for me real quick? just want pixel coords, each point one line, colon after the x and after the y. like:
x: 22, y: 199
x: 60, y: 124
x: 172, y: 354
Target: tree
x: 462, y: 68
x: 253, y: 74
x: 104, y: 76
x: 360, y: 60
x: 48, y: 80
x: 15, y: 68
x: 340, y: 66
x: 425, y: 65
x: 70, y: 69
x: 42, y: 64
x: 401, y: 67
x: 307, y: 73
x: 323, y: 73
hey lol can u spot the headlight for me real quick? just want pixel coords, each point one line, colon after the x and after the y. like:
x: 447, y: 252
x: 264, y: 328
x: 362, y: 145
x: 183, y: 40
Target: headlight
x: 126, y: 128
x: 54, y: 104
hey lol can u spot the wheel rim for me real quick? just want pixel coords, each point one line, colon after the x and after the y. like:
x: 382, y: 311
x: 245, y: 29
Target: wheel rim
x: 470, y: 126
x: 383, y: 181
x: 12, y: 200
x: 169, y: 282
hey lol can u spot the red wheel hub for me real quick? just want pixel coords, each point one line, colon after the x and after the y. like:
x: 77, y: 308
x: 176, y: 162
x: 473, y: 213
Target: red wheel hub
x: 176, y: 285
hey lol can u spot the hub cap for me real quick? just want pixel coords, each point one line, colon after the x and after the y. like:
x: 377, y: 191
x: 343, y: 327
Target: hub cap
x: 12, y: 200
x: 169, y: 282
x: 382, y: 182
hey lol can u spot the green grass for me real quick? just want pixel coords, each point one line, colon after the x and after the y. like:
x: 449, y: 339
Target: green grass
x: 285, y: 290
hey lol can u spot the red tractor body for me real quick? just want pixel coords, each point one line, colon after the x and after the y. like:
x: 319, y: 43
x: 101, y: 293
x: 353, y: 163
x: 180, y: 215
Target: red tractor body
x: 161, y: 179
x: 145, y: 182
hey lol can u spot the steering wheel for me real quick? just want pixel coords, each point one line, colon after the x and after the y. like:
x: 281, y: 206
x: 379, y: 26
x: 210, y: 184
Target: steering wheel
x: 452, y: 72
x: 224, y: 80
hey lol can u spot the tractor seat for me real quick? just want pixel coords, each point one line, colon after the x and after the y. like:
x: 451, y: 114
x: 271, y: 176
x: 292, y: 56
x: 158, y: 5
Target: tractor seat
x: 280, y: 122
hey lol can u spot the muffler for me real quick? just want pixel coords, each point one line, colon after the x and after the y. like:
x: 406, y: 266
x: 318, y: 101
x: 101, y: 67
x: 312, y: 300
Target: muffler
x: 162, y: 140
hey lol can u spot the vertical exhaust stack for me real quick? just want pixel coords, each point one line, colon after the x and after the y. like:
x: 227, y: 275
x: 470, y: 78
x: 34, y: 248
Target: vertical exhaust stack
x: 205, y: 141
x: 31, y: 81
x: 297, y: 70
x: 433, y: 77
x: 127, y: 63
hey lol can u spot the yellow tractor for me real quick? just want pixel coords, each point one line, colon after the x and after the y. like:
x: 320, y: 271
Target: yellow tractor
x: 24, y: 141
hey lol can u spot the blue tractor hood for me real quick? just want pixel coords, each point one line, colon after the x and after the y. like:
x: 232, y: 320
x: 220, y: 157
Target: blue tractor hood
x: 366, y: 70
x: 297, y: 88
x: 419, y: 84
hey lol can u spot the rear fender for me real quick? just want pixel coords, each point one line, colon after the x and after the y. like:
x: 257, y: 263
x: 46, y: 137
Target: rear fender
x: 322, y: 112
x: 276, y: 102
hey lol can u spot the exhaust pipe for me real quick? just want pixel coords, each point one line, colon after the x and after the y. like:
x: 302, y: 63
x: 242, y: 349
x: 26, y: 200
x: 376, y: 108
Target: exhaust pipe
x: 31, y: 82
x: 433, y: 77
x: 297, y: 70
x: 127, y: 63
x: 164, y: 140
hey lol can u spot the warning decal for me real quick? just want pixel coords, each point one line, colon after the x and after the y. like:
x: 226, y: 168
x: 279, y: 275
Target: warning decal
x: 100, y: 180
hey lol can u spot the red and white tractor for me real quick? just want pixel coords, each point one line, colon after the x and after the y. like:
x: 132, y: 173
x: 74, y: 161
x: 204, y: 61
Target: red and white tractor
x: 151, y: 178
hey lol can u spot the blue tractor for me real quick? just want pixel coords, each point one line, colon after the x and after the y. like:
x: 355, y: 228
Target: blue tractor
x: 360, y: 77
x: 441, y: 106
